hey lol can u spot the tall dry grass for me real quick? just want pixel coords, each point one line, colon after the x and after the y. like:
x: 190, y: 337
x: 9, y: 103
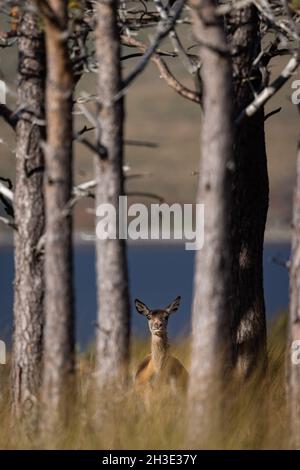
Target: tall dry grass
x: 257, y: 418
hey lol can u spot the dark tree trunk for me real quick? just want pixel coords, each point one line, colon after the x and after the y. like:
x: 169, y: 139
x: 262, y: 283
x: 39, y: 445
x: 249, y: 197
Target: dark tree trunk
x: 250, y: 201
x: 29, y: 217
x: 293, y: 346
x: 112, y: 278
x: 59, y: 314
x: 211, y: 340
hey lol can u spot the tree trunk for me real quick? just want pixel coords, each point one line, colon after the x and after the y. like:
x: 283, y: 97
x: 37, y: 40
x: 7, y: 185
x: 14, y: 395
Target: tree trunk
x: 59, y: 313
x: 250, y: 201
x: 111, y: 265
x: 293, y: 346
x: 211, y: 339
x: 29, y: 218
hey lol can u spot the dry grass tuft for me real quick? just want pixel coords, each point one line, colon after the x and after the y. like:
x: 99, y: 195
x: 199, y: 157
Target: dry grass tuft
x: 257, y: 419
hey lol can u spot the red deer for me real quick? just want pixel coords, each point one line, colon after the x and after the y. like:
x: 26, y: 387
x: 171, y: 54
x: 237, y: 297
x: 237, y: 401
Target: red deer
x: 159, y: 369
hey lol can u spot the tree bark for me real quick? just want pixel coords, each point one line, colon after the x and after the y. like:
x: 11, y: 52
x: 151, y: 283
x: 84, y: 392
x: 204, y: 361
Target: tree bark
x: 59, y: 313
x: 293, y: 346
x: 29, y: 218
x: 250, y: 201
x: 111, y: 265
x: 211, y: 339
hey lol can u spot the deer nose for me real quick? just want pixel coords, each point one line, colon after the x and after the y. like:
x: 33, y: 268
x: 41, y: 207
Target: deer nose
x: 157, y: 325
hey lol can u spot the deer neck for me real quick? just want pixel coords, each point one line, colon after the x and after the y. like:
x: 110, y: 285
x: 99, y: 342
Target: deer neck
x: 159, y: 351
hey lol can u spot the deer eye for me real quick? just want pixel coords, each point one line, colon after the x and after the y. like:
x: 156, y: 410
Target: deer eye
x: 148, y: 317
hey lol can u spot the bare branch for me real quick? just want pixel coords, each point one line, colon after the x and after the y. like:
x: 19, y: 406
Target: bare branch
x: 137, y: 176
x: 163, y: 29
x: 177, y: 45
x: 141, y: 143
x: 8, y: 222
x: 280, y: 262
x: 272, y: 113
x: 84, y: 188
x: 279, y: 25
x: 135, y: 143
x: 6, y: 192
x: 164, y: 71
x: 98, y: 149
x: 8, y: 115
x: 267, y: 93
x: 147, y: 195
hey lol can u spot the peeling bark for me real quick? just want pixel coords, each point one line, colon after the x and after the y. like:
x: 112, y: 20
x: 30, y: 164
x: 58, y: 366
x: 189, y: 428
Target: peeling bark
x: 29, y: 218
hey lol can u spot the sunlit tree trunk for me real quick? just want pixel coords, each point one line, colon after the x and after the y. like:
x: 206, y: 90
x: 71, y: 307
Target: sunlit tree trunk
x: 29, y: 218
x: 59, y: 313
x: 112, y: 280
x: 250, y: 201
x: 211, y: 340
x: 293, y: 346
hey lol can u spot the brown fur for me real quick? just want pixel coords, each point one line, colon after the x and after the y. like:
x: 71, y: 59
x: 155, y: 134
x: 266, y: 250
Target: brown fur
x: 159, y: 370
x: 173, y: 370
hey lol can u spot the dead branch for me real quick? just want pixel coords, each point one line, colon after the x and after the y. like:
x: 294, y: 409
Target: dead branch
x: 267, y: 93
x: 163, y: 29
x: 272, y: 113
x: 154, y: 196
x: 8, y: 115
x: 8, y: 222
x: 164, y: 70
x: 6, y: 192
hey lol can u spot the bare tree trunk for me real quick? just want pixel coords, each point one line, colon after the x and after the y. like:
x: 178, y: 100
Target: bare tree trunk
x: 293, y: 346
x: 211, y: 340
x: 59, y: 321
x: 29, y: 217
x: 112, y: 278
x: 250, y: 201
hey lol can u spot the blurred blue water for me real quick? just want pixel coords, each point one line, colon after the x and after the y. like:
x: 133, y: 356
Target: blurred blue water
x: 158, y: 273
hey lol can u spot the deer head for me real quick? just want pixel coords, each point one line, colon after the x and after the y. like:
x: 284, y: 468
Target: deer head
x: 157, y: 319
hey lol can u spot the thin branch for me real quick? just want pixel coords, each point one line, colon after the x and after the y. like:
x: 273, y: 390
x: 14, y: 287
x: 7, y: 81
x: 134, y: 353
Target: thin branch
x: 98, y: 149
x: 8, y: 115
x: 6, y: 192
x: 279, y: 25
x: 147, y: 195
x: 163, y: 29
x: 83, y: 188
x: 8, y: 222
x: 79, y: 192
x: 267, y: 93
x: 281, y: 262
x: 139, y: 54
x: 137, y: 176
x: 141, y: 143
x: 84, y: 130
x: 135, y: 143
x: 272, y: 113
x: 164, y: 71
x: 7, y: 196
x: 177, y: 45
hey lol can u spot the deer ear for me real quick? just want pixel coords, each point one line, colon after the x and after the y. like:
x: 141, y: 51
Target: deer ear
x: 174, y: 305
x: 141, y: 307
